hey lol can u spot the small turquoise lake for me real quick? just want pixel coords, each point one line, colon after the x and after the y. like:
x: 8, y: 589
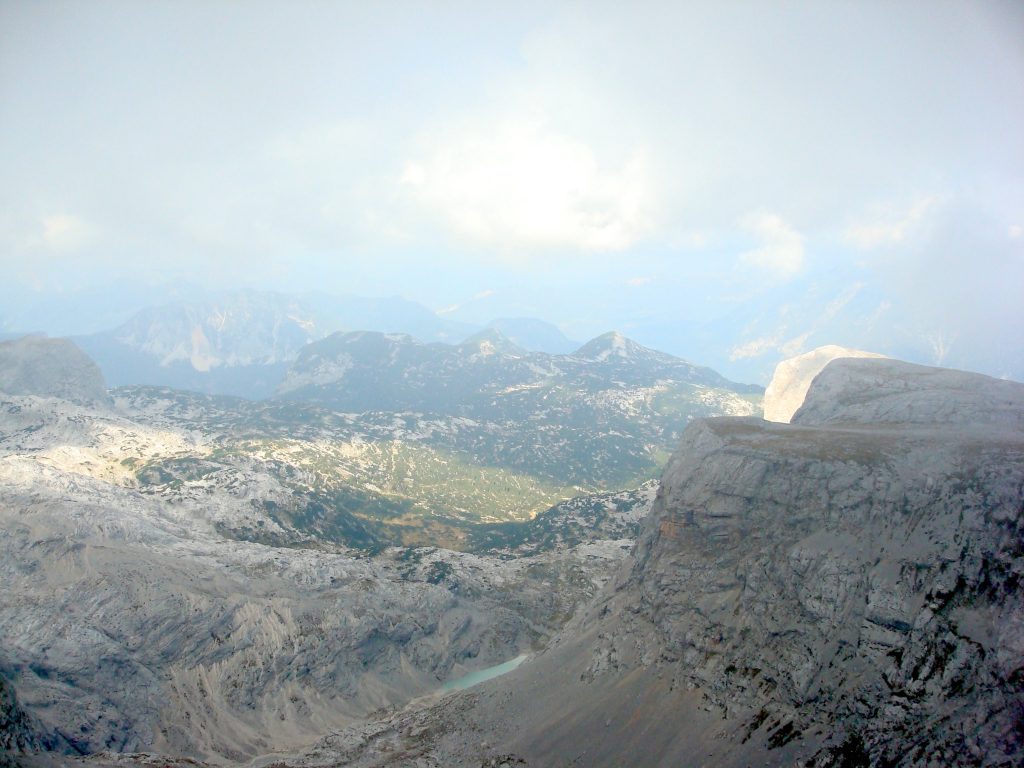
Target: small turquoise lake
x: 474, y: 678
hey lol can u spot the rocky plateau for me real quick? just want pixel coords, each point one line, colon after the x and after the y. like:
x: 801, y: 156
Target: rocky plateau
x: 842, y: 590
x: 839, y: 591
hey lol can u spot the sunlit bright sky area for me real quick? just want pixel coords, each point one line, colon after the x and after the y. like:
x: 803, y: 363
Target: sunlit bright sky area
x: 733, y: 182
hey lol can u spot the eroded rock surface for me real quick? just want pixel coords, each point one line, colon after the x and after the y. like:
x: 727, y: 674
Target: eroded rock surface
x: 128, y: 623
x: 36, y: 365
x: 788, y: 387
x: 893, y: 392
x: 18, y: 733
x: 840, y: 593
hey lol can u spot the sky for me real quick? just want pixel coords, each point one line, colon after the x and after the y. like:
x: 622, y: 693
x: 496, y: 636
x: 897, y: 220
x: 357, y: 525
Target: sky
x: 735, y: 182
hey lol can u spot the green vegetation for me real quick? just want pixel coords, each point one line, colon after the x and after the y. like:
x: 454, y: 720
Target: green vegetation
x: 471, y: 454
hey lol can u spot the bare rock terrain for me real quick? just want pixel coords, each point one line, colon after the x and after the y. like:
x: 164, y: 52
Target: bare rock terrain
x: 37, y: 365
x: 128, y: 623
x: 842, y: 591
x: 793, y: 376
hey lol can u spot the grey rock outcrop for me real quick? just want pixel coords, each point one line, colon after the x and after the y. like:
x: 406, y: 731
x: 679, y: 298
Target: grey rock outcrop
x: 844, y: 591
x: 17, y: 732
x: 129, y: 627
x: 36, y: 365
x: 127, y: 622
x: 892, y: 392
x: 788, y: 387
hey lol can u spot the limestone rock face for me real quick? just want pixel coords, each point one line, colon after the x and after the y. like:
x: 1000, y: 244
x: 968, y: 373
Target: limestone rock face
x: 887, y: 391
x: 17, y: 732
x: 130, y: 622
x: 842, y: 591
x: 838, y: 589
x: 847, y: 583
x: 36, y: 365
x: 785, y: 393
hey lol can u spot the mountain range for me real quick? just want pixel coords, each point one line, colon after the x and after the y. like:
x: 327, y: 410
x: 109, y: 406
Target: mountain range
x: 379, y: 438
x: 838, y: 591
x: 742, y: 330
x: 242, y: 343
x: 486, y: 372
x: 218, y: 580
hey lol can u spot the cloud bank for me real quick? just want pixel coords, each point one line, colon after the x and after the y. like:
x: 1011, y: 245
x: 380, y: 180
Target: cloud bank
x: 732, y: 155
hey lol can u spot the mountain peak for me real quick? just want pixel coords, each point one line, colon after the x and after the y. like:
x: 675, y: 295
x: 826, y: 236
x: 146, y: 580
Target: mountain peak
x: 609, y: 345
x: 491, y: 341
x: 38, y: 365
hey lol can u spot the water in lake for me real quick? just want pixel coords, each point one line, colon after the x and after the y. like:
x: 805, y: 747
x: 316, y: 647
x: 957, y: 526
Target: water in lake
x: 473, y: 678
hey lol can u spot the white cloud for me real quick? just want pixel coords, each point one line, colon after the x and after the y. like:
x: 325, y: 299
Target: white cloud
x: 837, y: 304
x: 754, y: 348
x: 782, y: 248
x: 517, y: 184
x: 941, y: 344
x: 487, y: 292
x: 690, y: 240
x: 65, y: 233
x: 1015, y: 231
x: 414, y: 175
x: 636, y: 282
x: 889, y: 226
x: 769, y: 344
x: 795, y: 345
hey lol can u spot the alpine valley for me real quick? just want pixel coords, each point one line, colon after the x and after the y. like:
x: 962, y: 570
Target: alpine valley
x: 318, y: 577
x: 211, y: 577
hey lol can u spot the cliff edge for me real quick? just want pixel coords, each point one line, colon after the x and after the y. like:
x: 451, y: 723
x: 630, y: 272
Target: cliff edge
x: 840, y: 591
x: 793, y: 376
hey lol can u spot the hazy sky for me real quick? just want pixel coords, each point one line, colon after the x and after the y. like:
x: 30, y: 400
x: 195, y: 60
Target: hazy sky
x: 771, y: 172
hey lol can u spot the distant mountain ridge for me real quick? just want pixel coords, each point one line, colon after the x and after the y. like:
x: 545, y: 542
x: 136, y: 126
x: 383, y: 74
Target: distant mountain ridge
x: 364, y: 371
x: 841, y: 591
x: 537, y: 335
x: 247, y: 330
x: 242, y: 342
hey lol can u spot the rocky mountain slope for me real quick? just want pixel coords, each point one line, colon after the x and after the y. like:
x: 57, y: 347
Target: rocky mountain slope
x: 127, y: 622
x: 793, y: 377
x: 840, y: 591
x: 372, y: 371
x: 136, y: 616
x: 902, y: 393
x: 243, y: 342
x: 466, y: 438
x: 18, y: 732
x: 843, y: 590
x: 55, y: 367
